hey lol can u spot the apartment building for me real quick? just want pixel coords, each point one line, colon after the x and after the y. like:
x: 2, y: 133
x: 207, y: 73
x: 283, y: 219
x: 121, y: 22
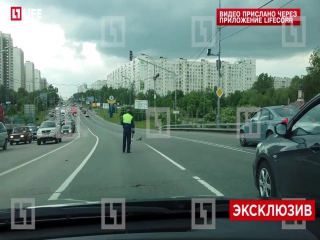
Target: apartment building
x: 37, y: 80
x: 239, y: 75
x: 43, y: 83
x: 18, y: 69
x: 98, y: 84
x: 6, y: 60
x: 280, y: 82
x: 29, y: 76
x: 82, y: 88
x: 183, y: 75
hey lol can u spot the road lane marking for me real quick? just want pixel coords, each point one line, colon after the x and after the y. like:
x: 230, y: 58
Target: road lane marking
x: 215, y: 145
x: 208, y: 186
x: 36, y: 159
x: 249, y: 151
x: 66, y: 183
x: 169, y: 159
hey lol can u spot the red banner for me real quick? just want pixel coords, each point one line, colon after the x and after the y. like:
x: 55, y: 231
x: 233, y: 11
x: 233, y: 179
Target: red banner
x: 272, y: 210
x: 258, y: 17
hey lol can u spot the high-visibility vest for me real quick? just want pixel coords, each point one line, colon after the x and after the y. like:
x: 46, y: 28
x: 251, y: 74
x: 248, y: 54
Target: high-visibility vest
x: 127, y: 118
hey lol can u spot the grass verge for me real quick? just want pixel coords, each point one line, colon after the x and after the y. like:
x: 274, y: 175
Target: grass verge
x: 116, y: 119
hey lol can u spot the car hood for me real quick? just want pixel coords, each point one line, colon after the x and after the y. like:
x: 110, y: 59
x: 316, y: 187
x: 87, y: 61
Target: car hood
x: 46, y: 129
x: 20, y: 133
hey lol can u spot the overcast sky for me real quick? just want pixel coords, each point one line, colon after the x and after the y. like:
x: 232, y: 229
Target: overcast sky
x: 66, y: 43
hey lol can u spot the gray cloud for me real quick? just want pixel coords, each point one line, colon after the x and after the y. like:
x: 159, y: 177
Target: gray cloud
x: 163, y: 27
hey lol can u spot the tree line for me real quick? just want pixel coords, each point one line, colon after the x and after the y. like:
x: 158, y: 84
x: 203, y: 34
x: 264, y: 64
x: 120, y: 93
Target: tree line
x: 203, y: 104
x: 21, y: 97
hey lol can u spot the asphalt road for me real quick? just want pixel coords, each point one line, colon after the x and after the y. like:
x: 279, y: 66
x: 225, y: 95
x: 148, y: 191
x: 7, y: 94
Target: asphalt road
x: 90, y: 166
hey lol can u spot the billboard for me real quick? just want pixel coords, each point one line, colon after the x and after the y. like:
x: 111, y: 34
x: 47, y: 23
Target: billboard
x: 29, y: 110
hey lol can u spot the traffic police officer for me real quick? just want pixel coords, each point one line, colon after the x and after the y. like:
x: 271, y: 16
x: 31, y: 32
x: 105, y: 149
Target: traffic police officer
x: 128, y: 129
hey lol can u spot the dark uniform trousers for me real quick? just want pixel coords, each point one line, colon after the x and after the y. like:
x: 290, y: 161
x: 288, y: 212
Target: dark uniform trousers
x: 126, y: 141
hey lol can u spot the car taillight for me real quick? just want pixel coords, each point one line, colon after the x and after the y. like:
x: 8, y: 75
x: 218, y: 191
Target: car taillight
x: 286, y: 120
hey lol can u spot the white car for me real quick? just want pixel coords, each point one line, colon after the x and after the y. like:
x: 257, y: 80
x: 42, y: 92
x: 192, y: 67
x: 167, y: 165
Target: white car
x: 48, y: 131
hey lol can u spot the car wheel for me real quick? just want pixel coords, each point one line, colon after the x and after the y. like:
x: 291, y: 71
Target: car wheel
x: 11, y: 143
x: 243, y: 141
x: 266, y: 183
x: 5, y: 145
x: 60, y: 139
x: 38, y: 142
x: 56, y: 140
x: 30, y: 141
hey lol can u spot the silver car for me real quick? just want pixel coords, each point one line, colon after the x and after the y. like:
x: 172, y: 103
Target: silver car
x: 48, y: 131
x: 261, y: 124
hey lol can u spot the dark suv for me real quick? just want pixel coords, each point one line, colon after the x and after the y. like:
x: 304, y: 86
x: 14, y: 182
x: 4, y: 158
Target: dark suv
x: 287, y: 164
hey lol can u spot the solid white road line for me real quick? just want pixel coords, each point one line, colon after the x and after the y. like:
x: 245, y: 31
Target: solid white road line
x: 66, y: 183
x: 216, y: 145
x: 169, y: 159
x: 36, y: 159
x: 208, y: 186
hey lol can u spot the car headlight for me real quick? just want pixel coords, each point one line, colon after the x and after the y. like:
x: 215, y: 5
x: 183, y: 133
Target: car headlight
x: 21, y: 136
x: 11, y: 136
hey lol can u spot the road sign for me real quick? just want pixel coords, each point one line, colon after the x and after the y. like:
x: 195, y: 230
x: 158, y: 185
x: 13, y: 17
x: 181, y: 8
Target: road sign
x: 141, y: 104
x: 219, y: 92
x: 175, y: 112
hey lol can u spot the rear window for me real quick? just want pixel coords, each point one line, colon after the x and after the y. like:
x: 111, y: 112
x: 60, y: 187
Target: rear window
x: 286, y: 111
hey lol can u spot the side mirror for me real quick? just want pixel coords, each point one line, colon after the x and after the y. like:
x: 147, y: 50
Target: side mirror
x: 280, y: 129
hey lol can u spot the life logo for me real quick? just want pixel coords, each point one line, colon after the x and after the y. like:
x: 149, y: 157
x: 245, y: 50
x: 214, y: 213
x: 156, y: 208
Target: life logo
x: 16, y: 13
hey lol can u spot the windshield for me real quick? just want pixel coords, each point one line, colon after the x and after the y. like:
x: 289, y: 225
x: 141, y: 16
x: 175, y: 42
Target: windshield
x: 165, y: 93
x: 48, y: 125
x: 286, y: 111
x: 19, y: 130
x: 33, y: 128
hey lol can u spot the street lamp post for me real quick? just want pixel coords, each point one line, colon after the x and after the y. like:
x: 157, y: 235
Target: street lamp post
x: 173, y: 73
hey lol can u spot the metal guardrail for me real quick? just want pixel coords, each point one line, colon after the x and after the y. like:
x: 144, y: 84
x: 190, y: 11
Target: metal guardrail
x: 222, y: 127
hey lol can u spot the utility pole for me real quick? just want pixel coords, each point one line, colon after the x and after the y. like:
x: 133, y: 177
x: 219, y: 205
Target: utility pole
x: 218, y: 67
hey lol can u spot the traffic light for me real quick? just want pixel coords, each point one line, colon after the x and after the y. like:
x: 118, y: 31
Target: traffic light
x: 130, y: 56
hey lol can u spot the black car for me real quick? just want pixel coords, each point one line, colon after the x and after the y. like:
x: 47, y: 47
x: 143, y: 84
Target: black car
x: 34, y: 131
x: 287, y: 164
